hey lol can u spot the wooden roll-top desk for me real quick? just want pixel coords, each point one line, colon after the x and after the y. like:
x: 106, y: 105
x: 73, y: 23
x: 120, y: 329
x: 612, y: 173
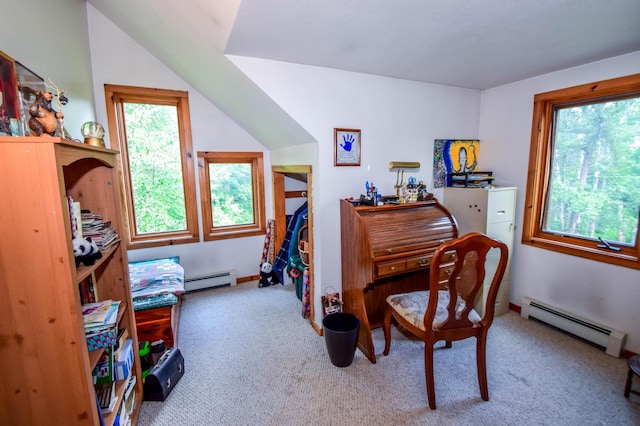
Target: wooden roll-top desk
x: 387, y: 250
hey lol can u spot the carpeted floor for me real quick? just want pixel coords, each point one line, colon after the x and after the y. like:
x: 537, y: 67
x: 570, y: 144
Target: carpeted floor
x: 251, y: 359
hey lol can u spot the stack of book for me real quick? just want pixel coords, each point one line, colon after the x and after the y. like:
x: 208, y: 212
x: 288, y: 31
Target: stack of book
x: 100, y: 232
x: 100, y: 320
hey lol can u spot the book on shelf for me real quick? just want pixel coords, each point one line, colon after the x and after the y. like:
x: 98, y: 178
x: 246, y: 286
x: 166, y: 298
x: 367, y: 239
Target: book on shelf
x: 100, y: 316
x: 103, y: 371
x: 100, y: 231
x: 88, y: 289
x: 122, y: 364
x: 107, y: 397
x: 75, y: 217
x: 122, y: 418
x: 122, y: 336
x: 130, y: 395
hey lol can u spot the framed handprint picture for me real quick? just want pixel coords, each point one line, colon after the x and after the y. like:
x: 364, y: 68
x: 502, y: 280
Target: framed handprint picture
x: 346, y: 147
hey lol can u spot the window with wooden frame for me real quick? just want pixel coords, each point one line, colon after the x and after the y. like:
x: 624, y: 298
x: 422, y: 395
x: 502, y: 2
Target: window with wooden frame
x: 231, y: 194
x: 151, y: 129
x: 582, y: 194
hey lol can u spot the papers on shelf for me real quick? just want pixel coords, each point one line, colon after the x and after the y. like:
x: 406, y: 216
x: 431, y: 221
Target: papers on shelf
x: 100, y: 316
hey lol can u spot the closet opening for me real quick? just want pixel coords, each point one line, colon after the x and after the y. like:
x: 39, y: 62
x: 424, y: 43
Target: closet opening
x: 292, y: 203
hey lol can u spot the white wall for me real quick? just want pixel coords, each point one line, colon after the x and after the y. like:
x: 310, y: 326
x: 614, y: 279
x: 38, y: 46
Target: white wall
x: 117, y: 59
x: 50, y: 38
x: 604, y: 293
x: 399, y: 121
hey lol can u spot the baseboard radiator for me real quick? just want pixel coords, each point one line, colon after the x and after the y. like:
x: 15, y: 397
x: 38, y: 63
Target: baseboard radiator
x: 201, y: 282
x: 601, y: 335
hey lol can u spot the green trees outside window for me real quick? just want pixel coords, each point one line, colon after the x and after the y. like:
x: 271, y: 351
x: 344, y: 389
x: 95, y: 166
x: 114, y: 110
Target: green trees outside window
x: 583, y: 196
x: 594, y: 190
x: 156, y: 172
x: 151, y: 130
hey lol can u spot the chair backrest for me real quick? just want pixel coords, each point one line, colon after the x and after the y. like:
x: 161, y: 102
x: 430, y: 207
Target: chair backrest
x: 465, y: 280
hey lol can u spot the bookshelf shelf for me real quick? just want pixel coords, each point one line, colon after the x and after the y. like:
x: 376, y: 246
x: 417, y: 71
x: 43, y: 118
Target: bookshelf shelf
x: 39, y: 272
x: 82, y: 272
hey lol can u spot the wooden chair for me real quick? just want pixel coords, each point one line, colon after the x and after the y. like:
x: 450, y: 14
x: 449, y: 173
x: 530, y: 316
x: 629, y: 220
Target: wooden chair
x: 429, y: 315
x: 634, y: 369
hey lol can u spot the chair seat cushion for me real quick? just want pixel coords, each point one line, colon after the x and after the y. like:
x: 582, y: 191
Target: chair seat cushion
x: 412, y: 306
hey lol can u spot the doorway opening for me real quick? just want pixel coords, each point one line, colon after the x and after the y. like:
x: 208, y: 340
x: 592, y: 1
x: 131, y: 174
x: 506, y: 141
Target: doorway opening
x: 291, y: 189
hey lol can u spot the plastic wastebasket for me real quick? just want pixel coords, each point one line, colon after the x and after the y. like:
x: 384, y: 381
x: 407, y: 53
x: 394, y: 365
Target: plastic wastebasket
x: 341, y: 337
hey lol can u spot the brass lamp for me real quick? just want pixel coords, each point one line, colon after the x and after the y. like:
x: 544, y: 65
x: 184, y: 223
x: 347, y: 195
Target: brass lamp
x: 400, y: 167
x: 93, y: 133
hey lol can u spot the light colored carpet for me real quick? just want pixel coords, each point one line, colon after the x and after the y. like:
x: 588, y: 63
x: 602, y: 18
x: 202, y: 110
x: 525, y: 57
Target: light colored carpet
x: 251, y: 359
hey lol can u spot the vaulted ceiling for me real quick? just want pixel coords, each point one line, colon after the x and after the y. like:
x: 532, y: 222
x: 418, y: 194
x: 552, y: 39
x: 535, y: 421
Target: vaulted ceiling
x: 475, y: 44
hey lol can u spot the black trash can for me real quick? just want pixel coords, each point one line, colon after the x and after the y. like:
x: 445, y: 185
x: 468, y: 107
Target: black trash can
x: 341, y: 337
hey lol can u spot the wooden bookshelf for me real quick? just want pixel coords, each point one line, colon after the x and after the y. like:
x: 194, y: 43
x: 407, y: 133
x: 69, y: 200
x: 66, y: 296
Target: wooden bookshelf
x: 47, y: 368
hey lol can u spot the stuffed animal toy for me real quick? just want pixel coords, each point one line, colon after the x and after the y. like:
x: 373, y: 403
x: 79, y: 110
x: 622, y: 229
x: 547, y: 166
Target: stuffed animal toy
x: 267, y: 275
x: 85, y: 251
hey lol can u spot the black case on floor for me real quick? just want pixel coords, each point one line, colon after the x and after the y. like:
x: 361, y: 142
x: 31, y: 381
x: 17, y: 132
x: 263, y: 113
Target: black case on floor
x: 164, y: 376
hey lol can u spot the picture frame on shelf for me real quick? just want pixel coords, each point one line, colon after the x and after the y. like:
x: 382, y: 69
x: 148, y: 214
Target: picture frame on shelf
x: 29, y: 83
x: 347, y: 147
x: 10, y: 117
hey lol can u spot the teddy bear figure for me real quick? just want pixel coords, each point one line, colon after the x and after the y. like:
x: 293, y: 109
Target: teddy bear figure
x: 267, y: 275
x: 44, y: 119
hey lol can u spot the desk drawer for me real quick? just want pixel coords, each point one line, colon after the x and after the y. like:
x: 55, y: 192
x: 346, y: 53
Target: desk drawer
x: 391, y: 267
x: 419, y: 262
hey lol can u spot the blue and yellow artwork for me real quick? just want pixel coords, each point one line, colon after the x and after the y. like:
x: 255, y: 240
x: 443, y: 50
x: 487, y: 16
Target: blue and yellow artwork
x: 453, y: 156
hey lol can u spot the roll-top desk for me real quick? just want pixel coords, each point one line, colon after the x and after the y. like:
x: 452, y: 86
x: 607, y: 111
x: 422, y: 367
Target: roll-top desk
x: 387, y: 250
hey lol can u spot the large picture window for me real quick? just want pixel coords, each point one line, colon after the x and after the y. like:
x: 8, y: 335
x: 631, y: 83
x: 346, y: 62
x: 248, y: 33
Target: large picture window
x: 232, y: 194
x: 151, y: 128
x: 584, y: 172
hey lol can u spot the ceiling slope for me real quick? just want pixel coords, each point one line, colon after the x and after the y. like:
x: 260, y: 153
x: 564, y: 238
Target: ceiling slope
x: 193, y: 50
x: 476, y: 44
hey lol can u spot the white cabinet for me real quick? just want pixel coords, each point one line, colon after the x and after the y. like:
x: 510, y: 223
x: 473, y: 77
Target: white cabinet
x: 491, y: 211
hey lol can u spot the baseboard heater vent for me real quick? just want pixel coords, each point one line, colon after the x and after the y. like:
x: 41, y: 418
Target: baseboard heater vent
x: 218, y: 279
x: 601, y: 335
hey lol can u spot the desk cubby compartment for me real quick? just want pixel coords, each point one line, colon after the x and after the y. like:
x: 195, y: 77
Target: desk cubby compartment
x: 470, y: 179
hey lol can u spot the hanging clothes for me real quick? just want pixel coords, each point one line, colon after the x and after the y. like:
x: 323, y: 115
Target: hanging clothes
x: 282, y: 259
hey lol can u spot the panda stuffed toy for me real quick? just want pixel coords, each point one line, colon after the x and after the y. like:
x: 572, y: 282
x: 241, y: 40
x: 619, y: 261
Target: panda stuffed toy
x: 267, y: 275
x: 85, y: 251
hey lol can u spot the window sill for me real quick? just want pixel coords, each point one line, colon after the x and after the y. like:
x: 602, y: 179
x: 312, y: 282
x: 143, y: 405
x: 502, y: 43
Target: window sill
x: 626, y: 257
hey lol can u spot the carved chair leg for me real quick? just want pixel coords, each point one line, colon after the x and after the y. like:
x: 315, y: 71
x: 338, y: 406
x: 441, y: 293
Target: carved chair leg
x: 481, y: 355
x: 428, y: 373
x: 386, y: 326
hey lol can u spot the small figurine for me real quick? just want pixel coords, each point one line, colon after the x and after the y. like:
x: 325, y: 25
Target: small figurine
x: 44, y: 120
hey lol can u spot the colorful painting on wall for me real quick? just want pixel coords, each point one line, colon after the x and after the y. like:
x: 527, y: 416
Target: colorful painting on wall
x: 453, y: 156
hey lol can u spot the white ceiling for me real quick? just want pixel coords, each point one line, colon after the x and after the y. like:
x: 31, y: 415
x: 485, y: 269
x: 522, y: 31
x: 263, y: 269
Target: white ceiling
x: 466, y: 43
